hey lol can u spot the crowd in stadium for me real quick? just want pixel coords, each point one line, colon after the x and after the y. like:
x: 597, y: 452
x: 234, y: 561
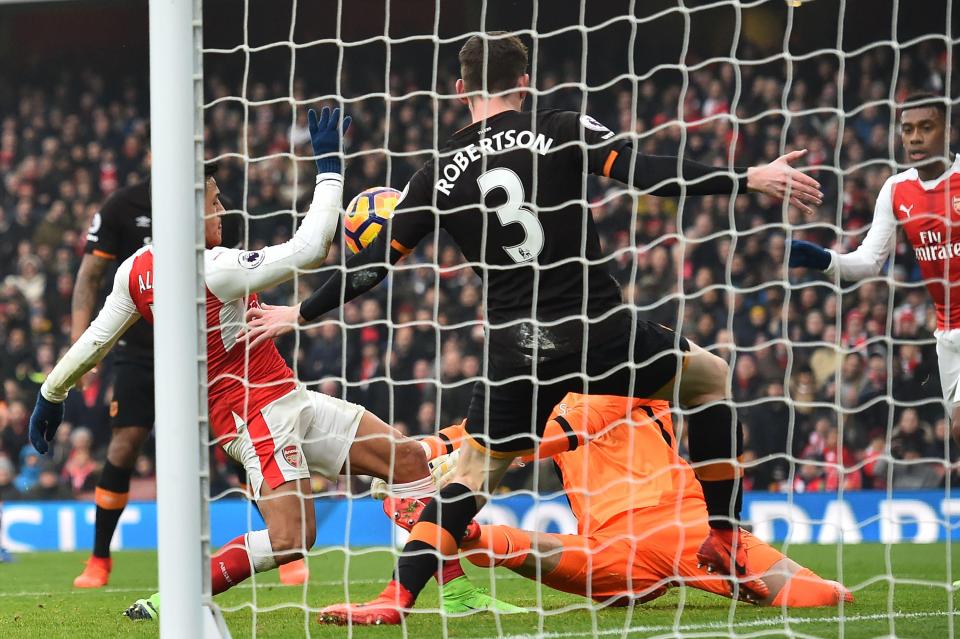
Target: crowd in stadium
x: 814, y: 370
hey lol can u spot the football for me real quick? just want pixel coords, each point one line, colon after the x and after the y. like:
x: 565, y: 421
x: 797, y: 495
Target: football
x: 366, y: 214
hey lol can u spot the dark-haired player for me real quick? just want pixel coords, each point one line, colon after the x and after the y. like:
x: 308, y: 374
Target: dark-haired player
x: 509, y: 189
x: 925, y: 201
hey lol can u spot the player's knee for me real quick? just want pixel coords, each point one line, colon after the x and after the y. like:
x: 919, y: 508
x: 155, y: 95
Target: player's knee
x: 293, y: 536
x: 410, y: 462
x: 707, y: 382
x: 125, y: 446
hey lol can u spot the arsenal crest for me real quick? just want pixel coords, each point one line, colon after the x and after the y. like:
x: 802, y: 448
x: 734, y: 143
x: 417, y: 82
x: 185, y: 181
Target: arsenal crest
x: 956, y: 204
x: 292, y: 456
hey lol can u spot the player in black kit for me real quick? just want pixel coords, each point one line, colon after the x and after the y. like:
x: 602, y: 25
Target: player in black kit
x: 509, y: 189
x: 122, y: 227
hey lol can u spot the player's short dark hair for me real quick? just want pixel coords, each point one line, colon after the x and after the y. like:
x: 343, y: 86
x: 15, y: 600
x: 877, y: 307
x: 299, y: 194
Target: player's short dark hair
x: 502, y: 55
x: 210, y: 169
x: 925, y: 101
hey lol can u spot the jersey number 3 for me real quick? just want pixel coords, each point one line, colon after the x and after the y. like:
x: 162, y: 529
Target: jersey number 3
x: 512, y: 212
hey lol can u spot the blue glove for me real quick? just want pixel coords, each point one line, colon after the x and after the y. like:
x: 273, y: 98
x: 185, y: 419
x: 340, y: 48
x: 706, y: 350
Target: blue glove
x: 808, y: 254
x: 44, y: 422
x: 325, y: 135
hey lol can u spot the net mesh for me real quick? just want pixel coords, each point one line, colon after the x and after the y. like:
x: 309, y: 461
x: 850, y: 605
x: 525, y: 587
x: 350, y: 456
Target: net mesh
x: 836, y: 384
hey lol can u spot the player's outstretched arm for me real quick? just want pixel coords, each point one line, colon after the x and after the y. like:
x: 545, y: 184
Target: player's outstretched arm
x: 412, y: 220
x: 867, y: 260
x: 117, y: 315
x: 658, y: 174
x: 231, y: 273
x: 363, y: 271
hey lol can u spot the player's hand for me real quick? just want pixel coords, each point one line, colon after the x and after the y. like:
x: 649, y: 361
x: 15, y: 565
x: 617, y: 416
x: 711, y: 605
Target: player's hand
x: 325, y: 135
x: 269, y: 322
x: 808, y: 255
x: 44, y: 422
x: 780, y: 180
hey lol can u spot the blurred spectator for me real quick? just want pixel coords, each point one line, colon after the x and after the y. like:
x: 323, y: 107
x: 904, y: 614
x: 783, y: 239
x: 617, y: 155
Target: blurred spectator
x: 29, y: 469
x: 8, y: 490
x: 48, y: 486
x: 79, y: 471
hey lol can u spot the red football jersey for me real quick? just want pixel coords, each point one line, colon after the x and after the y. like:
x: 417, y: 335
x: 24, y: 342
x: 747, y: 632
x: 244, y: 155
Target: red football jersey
x: 930, y: 215
x: 241, y: 382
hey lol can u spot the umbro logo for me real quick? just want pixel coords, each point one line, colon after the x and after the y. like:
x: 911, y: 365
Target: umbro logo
x: 142, y: 221
x: 906, y: 209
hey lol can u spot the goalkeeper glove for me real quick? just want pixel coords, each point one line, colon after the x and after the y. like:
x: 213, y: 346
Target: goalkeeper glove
x: 325, y: 135
x: 809, y: 255
x: 44, y: 422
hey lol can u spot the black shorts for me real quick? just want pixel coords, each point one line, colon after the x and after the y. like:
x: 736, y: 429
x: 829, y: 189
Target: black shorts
x: 507, y: 416
x: 132, y: 403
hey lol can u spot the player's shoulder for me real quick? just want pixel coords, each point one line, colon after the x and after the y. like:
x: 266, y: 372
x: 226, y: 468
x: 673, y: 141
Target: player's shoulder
x: 128, y: 200
x: 569, y: 121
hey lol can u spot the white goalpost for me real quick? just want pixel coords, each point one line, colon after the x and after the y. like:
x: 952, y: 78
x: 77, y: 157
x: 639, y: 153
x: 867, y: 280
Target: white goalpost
x: 176, y: 107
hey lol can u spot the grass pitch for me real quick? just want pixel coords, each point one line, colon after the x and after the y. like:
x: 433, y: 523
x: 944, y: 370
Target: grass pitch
x: 901, y: 590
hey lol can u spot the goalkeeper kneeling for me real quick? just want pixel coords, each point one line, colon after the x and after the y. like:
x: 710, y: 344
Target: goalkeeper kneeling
x: 640, y: 510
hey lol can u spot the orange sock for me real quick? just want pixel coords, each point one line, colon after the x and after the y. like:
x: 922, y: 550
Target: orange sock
x: 806, y: 590
x: 498, y: 546
x: 444, y: 442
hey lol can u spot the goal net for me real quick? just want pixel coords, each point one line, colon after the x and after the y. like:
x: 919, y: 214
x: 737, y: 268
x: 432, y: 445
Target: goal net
x: 836, y: 383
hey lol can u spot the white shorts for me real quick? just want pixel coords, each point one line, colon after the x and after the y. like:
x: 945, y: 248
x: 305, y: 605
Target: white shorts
x: 303, y: 432
x: 948, y: 361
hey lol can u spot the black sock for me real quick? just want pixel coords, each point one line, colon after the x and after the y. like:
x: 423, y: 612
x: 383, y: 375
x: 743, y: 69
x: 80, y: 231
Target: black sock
x: 717, y: 435
x: 111, y: 497
x: 452, y: 511
x: 718, y: 495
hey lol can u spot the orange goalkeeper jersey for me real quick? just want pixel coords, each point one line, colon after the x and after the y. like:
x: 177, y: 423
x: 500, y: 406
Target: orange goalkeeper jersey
x: 627, y: 459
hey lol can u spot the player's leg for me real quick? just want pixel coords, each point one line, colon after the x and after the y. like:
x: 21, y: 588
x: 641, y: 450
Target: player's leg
x: 131, y: 416
x: 715, y: 434
x: 716, y: 445
x: 379, y: 450
x: 442, y: 524
x: 291, y: 530
x: 292, y: 573
x: 790, y: 584
x: 948, y: 364
x: 339, y: 437
x: 457, y: 592
x: 278, y: 479
x: 524, y: 552
x: 598, y: 568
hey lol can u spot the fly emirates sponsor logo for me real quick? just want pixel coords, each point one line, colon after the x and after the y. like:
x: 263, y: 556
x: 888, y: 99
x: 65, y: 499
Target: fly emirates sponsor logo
x: 935, y: 247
